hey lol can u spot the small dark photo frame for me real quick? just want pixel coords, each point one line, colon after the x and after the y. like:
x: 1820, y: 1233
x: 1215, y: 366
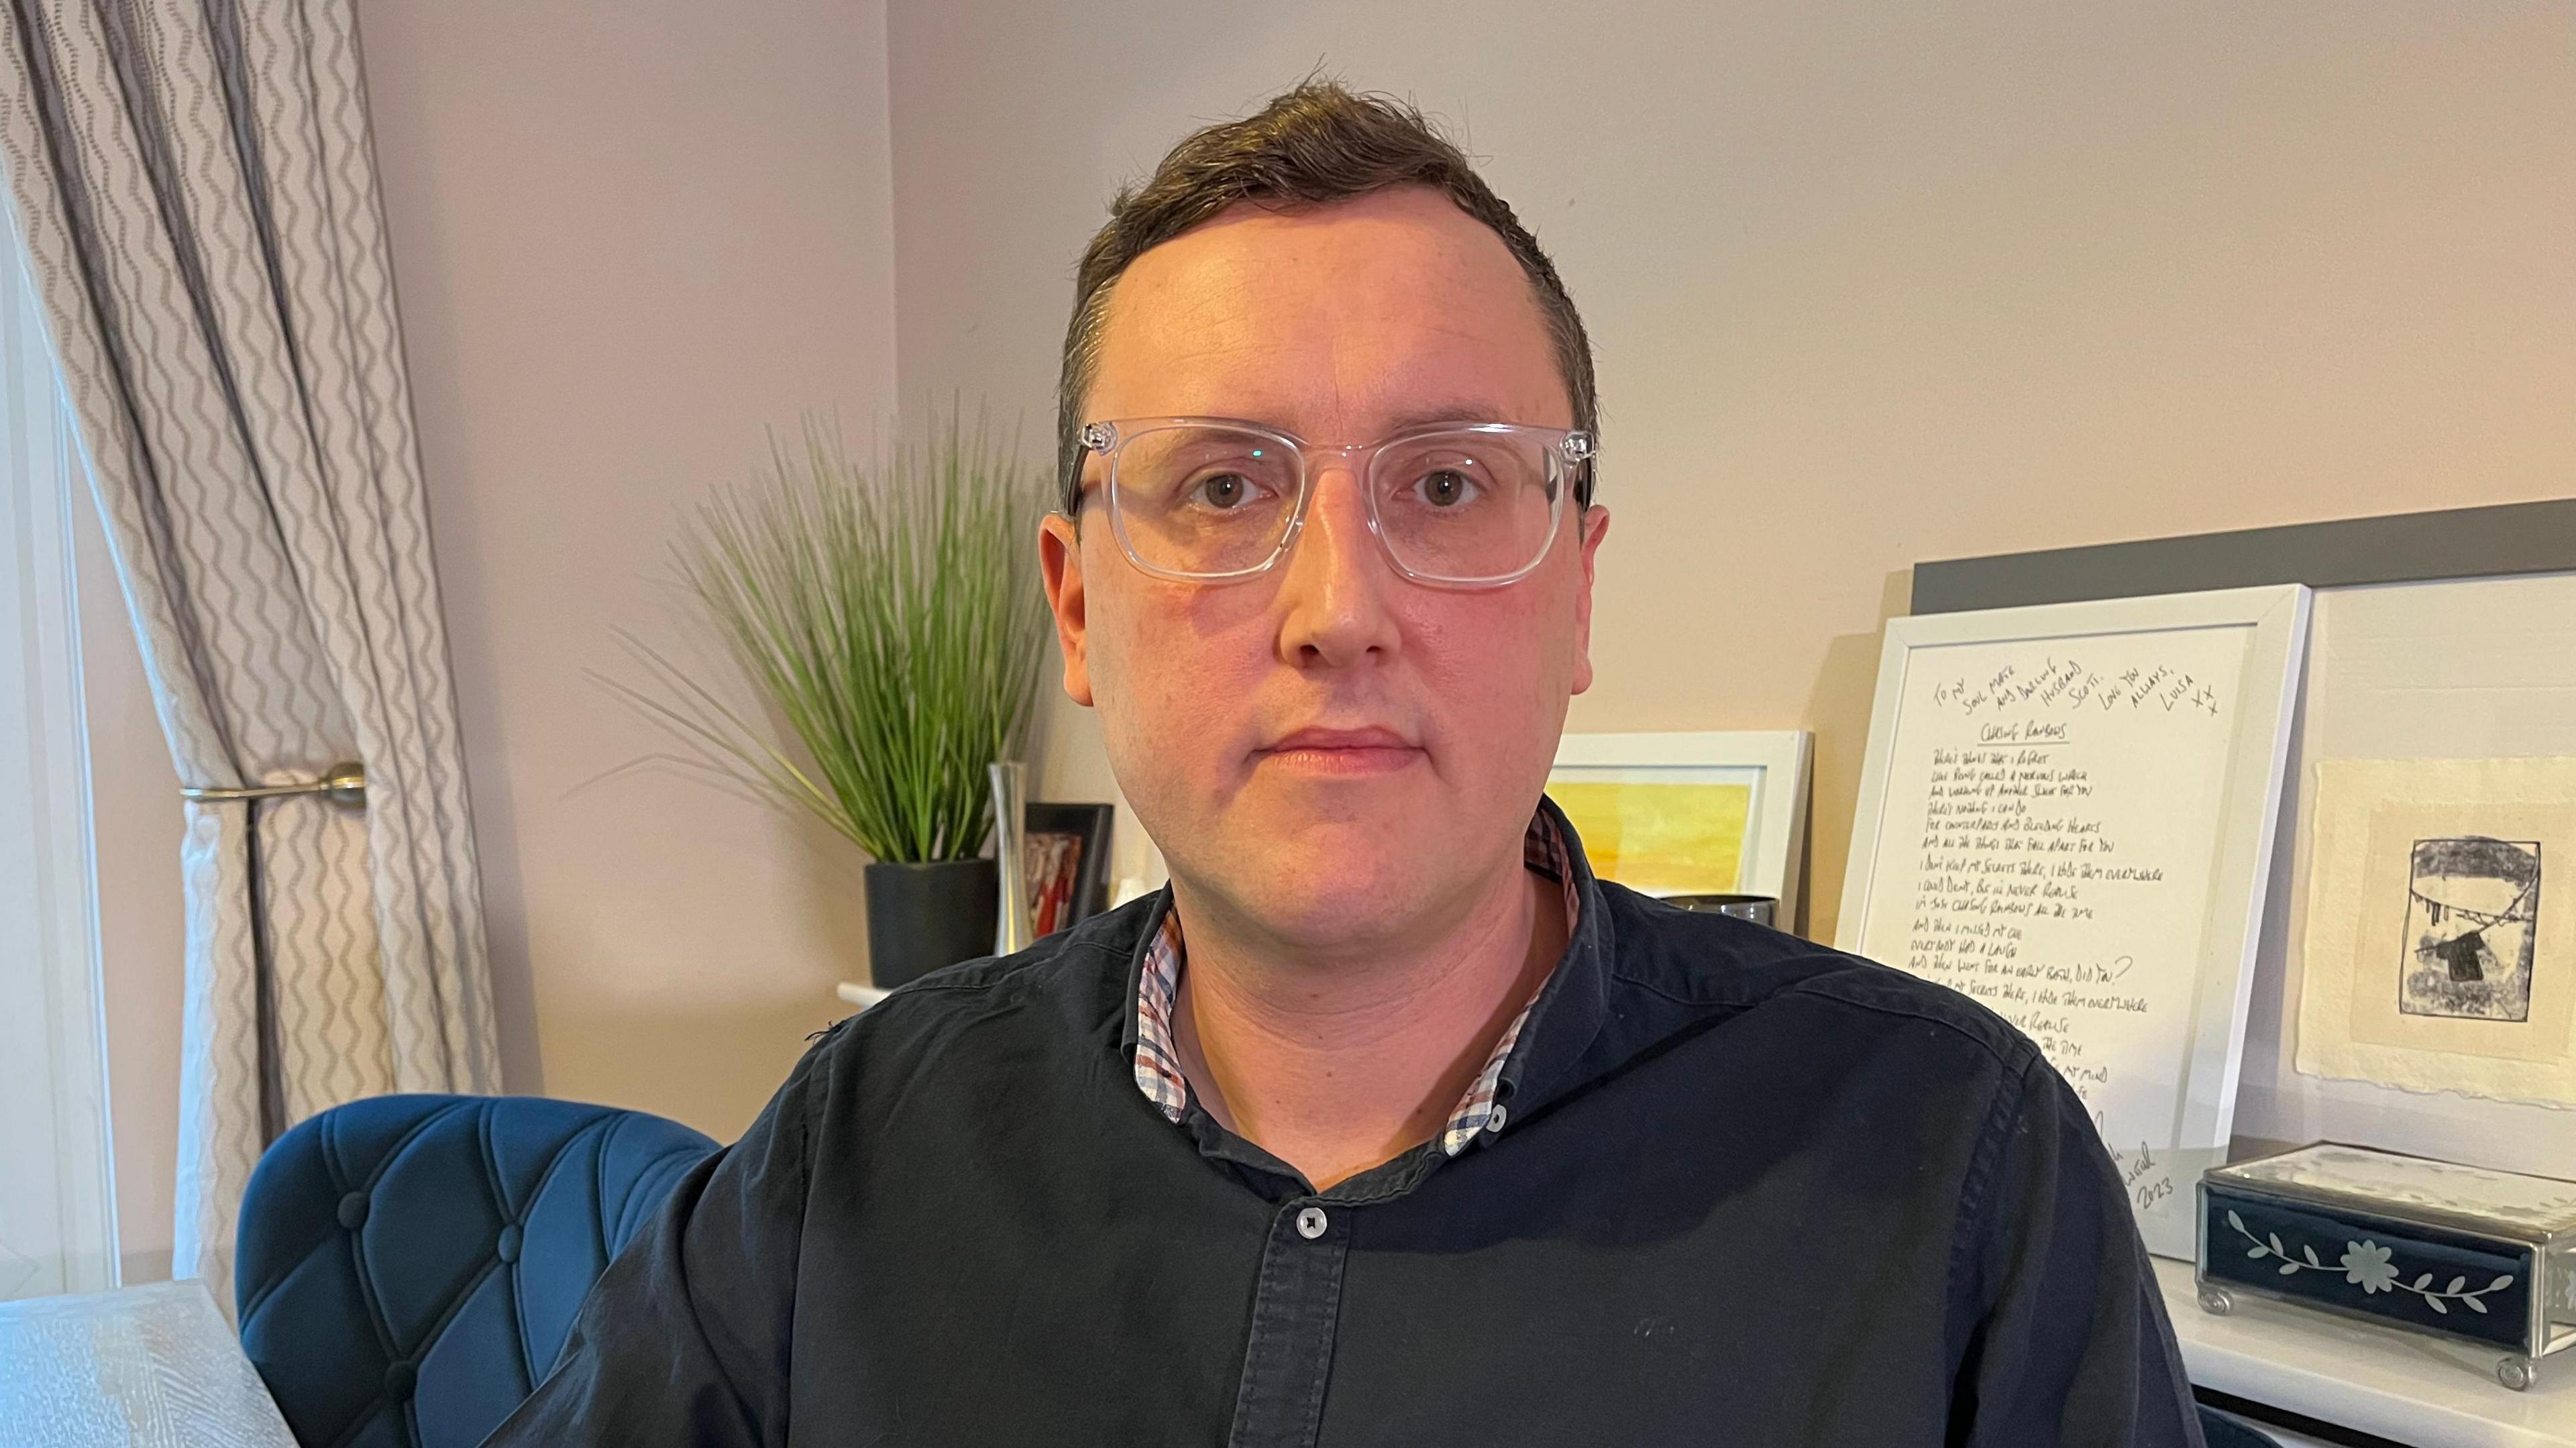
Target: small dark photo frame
x: 1065, y: 853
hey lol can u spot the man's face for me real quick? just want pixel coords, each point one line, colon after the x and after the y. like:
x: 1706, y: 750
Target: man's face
x: 1328, y: 753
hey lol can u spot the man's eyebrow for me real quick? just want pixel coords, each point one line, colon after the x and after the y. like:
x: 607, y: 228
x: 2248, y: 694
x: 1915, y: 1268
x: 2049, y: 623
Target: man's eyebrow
x: 1424, y: 416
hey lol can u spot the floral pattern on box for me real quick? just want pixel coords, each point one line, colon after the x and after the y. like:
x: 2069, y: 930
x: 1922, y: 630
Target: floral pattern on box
x: 2366, y: 1265
x: 2415, y: 1276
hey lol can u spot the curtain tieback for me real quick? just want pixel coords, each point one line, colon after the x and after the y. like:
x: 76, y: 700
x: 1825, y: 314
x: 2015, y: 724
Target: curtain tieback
x: 345, y: 785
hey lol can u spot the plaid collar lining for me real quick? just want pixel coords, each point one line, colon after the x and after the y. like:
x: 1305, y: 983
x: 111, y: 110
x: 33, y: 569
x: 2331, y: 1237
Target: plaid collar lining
x: 1158, y: 1061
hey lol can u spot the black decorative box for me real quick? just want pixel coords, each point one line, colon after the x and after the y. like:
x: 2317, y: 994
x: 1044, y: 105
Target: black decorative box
x: 2483, y: 1257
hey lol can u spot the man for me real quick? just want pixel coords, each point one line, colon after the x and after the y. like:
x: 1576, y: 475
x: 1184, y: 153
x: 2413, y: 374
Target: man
x: 1387, y: 1123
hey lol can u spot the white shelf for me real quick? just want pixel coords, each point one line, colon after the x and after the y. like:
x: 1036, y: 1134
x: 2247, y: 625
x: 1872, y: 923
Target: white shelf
x: 2378, y: 1380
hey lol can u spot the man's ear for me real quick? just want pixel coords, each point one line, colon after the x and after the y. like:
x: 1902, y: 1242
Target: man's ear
x: 1596, y: 526
x: 1060, y: 563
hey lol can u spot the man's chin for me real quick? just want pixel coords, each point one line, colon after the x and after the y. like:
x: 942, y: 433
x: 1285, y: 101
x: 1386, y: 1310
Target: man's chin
x: 1336, y: 893
x: 1326, y: 928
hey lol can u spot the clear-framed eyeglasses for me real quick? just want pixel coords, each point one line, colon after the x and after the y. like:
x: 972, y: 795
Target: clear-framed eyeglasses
x: 1453, y: 505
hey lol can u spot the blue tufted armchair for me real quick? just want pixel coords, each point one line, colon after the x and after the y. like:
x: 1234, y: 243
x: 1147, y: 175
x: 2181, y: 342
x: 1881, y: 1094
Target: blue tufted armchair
x: 408, y: 1267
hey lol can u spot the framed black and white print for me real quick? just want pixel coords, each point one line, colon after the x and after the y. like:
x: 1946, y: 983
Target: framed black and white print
x: 2439, y: 953
x: 2472, y: 910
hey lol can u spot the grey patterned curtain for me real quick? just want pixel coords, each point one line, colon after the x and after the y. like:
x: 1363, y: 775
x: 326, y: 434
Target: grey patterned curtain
x: 195, y: 189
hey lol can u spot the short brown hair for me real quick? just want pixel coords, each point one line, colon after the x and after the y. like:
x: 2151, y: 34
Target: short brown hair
x: 1312, y: 145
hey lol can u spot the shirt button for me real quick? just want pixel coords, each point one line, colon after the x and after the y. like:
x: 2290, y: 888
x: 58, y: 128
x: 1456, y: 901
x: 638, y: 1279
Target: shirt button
x: 1495, y: 1117
x: 1311, y: 1223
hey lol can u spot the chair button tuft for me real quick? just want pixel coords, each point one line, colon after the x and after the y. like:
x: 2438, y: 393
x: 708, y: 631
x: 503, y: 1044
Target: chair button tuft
x: 353, y: 1210
x: 507, y: 1249
x: 400, y: 1377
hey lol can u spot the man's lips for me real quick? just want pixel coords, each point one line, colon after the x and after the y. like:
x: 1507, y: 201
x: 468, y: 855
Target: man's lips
x: 1342, y: 751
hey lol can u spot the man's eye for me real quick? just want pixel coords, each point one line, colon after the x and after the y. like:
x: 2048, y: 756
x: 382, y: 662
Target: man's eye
x: 1446, y: 488
x: 1224, y: 491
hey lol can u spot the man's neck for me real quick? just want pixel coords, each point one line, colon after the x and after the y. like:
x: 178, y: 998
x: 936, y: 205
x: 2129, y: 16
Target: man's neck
x: 1338, y: 1068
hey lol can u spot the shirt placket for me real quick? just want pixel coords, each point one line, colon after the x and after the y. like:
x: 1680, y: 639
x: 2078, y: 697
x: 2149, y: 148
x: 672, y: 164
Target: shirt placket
x: 1297, y: 1302
x: 1288, y: 1351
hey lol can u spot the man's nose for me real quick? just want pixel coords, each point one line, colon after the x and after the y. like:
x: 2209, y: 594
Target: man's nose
x: 1336, y: 594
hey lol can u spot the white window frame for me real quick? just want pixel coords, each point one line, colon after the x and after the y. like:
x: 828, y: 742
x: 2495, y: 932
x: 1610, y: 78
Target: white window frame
x: 58, y: 1221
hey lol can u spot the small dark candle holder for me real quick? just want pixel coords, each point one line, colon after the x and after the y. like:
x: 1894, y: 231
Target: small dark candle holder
x: 1760, y: 909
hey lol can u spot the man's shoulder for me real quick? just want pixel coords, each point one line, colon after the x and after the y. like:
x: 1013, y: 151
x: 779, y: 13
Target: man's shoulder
x: 1724, y: 965
x: 1073, y: 982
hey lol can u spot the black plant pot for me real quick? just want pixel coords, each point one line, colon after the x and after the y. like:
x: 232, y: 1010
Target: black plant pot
x: 921, y: 917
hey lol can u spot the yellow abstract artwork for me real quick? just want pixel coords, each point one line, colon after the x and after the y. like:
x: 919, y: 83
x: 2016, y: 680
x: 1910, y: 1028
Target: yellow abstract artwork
x: 1665, y: 839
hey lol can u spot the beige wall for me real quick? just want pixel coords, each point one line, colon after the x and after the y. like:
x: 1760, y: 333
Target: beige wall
x: 1869, y: 284
x: 626, y: 238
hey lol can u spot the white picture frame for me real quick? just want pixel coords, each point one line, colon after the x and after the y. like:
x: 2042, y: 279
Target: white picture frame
x: 2165, y: 1096
x: 2437, y: 669
x: 1773, y: 763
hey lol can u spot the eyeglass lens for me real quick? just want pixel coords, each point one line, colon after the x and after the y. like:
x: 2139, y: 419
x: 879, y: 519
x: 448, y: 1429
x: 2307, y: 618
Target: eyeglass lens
x: 1457, y: 506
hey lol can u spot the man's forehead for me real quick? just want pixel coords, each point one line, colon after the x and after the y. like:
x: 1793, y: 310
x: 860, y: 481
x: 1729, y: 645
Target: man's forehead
x: 1381, y: 311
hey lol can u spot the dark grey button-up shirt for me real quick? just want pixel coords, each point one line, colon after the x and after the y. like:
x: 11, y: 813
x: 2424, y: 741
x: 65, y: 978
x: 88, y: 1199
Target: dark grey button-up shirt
x: 1735, y: 1189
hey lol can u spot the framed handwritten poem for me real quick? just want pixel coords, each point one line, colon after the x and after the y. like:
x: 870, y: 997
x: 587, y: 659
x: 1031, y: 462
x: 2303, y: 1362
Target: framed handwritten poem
x: 2067, y: 813
x: 1712, y: 813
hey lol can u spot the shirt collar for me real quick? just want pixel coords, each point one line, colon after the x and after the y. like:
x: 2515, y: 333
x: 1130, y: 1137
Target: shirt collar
x: 1550, y: 848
